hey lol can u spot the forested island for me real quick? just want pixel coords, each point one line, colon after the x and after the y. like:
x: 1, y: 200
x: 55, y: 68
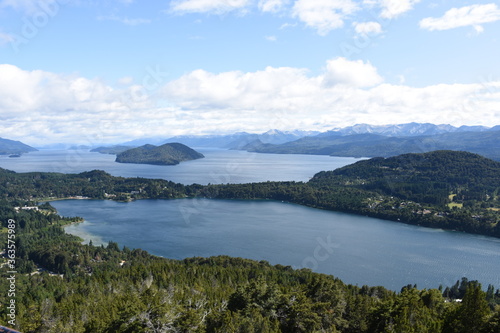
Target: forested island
x: 167, y: 154
x: 64, y: 286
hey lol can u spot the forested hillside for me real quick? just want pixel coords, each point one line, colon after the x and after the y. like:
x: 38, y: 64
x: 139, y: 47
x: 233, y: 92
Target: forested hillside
x: 85, y: 288
x: 167, y: 154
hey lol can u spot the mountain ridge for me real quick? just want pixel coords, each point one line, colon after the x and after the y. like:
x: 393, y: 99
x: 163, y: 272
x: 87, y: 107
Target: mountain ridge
x: 14, y: 147
x: 375, y: 145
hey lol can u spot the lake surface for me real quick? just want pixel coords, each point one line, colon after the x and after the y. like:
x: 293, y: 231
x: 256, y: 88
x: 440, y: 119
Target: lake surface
x: 218, y: 167
x: 357, y: 249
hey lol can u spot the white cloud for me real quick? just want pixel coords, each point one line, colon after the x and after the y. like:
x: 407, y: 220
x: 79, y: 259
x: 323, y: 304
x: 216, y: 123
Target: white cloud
x: 351, y: 73
x: 367, y: 28
x: 124, y: 20
x: 346, y: 92
x: 392, y: 8
x: 324, y: 15
x: 271, y: 38
x: 272, y: 6
x: 39, y: 106
x: 461, y: 17
x: 208, y: 6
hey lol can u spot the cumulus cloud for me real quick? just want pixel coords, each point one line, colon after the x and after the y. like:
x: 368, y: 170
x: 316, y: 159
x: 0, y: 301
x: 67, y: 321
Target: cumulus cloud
x: 367, y: 28
x: 346, y: 92
x: 272, y: 6
x: 39, y: 106
x: 391, y: 9
x: 208, y: 6
x: 324, y: 15
x: 351, y: 73
x: 464, y: 16
x: 394, y: 8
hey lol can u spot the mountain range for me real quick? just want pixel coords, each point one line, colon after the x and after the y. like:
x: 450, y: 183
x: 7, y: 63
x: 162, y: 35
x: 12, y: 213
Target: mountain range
x: 228, y: 141
x: 485, y: 143
x: 240, y: 140
x: 8, y: 147
x: 409, y: 129
x: 360, y: 140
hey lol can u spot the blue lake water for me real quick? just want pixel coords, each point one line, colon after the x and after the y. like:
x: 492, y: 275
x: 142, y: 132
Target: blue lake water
x: 218, y: 166
x: 359, y: 250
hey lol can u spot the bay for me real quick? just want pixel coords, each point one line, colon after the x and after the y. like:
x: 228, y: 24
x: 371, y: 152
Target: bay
x: 357, y: 249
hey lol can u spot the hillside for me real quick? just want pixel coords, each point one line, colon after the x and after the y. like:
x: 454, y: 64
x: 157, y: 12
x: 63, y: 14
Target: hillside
x: 113, y: 150
x: 133, y: 291
x: 167, y: 154
x: 14, y: 147
x: 442, y: 189
x: 375, y: 145
x: 428, y: 178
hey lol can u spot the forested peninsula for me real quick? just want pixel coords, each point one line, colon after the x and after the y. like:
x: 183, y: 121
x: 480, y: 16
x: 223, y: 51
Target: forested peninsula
x: 64, y: 286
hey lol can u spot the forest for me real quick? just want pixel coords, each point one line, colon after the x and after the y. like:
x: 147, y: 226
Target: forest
x: 62, y: 285
x: 65, y: 286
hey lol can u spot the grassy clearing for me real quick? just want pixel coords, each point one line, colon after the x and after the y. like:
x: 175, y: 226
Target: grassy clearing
x: 455, y: 204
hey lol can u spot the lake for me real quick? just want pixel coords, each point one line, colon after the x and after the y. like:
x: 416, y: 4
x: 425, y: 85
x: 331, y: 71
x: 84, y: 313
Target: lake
x: 359, y: 250
x: 219, y: 166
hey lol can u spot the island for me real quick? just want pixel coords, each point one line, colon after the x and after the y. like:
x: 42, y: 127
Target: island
x: 113, y: 150
x: 167, y: 154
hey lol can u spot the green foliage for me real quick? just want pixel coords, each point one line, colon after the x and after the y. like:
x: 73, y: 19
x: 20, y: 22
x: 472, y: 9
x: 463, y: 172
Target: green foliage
x: 64, y: 286
x: 167, y: 154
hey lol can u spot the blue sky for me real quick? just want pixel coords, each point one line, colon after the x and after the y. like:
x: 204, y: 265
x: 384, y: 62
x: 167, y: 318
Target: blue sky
x: 115, y: 70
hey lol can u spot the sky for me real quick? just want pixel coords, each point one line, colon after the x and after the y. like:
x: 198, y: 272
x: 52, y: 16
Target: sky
x: 110, y: 71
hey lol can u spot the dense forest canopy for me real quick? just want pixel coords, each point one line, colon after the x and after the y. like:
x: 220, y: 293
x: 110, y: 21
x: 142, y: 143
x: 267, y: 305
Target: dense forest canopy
x: 64, y: 286
x: 167, y: 154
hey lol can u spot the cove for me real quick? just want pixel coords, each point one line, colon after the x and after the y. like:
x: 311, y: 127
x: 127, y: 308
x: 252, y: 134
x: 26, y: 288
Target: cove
x: 357, y: 249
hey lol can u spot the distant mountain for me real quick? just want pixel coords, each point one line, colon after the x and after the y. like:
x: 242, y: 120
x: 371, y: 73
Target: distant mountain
x: 167, y: 154
x: 402, y: 130
x: 144, y: 141
x: 241, y: 139
x: 8, y: 147
x: 113, y: 150
x: 485, y: 143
